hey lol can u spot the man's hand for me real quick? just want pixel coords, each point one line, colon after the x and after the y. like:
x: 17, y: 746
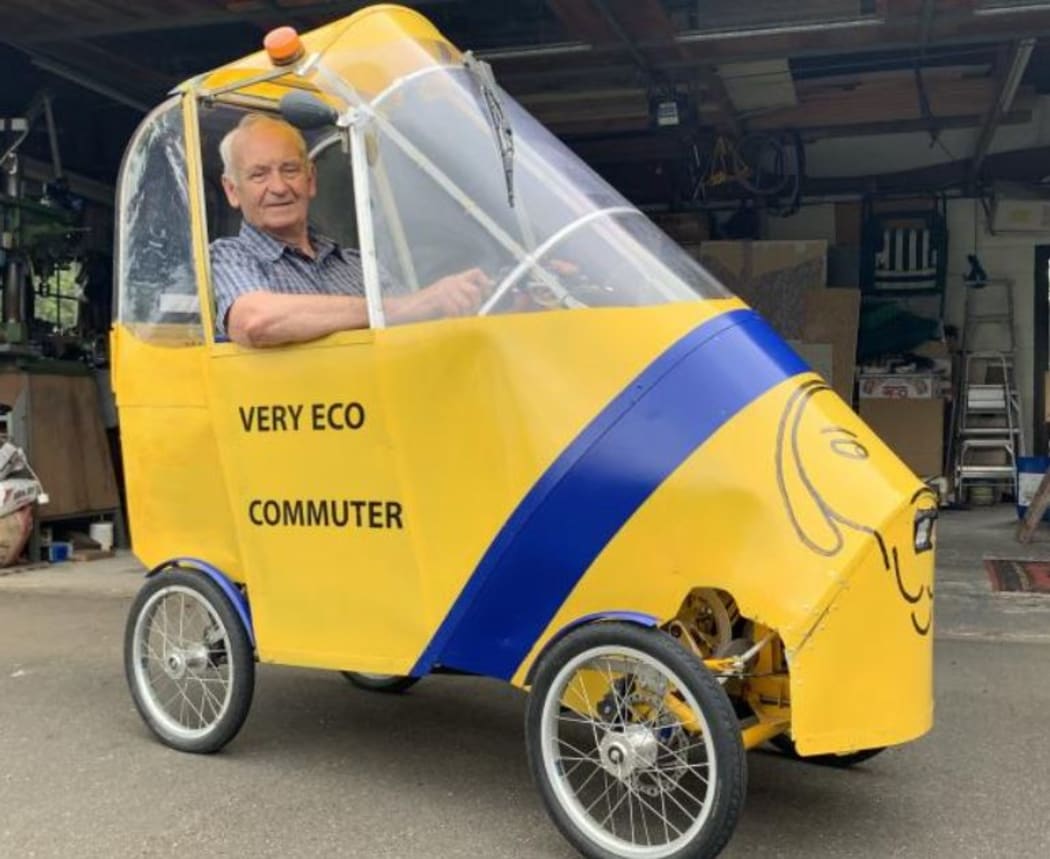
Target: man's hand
x: 455, y: 295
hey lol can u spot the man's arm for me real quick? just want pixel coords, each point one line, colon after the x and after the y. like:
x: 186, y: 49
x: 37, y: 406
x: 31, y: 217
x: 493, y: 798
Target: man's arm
x: 254, y: 316
x: 261, y: 319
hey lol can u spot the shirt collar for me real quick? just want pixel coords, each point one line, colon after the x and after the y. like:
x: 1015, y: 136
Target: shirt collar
x: 268, y: 248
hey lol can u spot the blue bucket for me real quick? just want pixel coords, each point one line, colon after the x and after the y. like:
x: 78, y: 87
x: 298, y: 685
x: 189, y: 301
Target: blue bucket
x: 1030, y: 471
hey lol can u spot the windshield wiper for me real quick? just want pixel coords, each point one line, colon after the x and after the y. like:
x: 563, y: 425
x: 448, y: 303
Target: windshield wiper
x: 486, y: 81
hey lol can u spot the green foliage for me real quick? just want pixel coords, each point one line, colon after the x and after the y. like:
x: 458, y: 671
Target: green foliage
x: 57, y: 300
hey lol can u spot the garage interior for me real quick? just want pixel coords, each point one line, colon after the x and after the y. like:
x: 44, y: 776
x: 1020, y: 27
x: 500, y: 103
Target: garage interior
x: 872, y: 175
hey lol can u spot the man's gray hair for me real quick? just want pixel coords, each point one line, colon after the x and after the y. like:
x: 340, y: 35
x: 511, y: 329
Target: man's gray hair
x: 250, y: 120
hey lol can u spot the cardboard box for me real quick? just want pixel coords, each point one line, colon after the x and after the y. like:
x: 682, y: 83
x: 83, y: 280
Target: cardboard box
x: 898, y: 386
x: 938, y: 352
x: 773, y: 277
x: 686, y: 228
x: 820, y: 357
x: 832, y: 316
x: 912, y: 428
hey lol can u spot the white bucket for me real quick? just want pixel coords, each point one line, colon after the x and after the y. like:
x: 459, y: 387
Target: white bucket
x: 102, y: 533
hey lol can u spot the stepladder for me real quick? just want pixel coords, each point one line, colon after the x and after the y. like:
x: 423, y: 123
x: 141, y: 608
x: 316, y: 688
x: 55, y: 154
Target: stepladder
x: 987, y: 430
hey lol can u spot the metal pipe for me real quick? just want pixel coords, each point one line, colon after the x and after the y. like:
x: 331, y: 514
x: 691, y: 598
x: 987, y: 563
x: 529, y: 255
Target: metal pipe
x: 52, y: 135
x: 694, y: 37
x: 555, y: 49
x: 1017, y: 70
x: 640, y: 60
x: 687, y: 38
x: 88, y: 83
x: 752, y: 652
x: 1011, y: 10
x: 1012, y: 80
x: 365, y: 232
x: 13, y: 275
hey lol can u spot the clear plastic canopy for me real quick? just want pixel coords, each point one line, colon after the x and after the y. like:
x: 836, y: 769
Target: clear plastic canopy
x: 547, y: 230
x: 456, y: 176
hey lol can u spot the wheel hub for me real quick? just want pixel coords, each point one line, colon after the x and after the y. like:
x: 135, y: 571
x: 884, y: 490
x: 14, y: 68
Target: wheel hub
x: 623, y: 752
x: 180, y: 661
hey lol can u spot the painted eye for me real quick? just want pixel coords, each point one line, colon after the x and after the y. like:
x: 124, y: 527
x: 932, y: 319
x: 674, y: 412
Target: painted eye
x: 847, y: 446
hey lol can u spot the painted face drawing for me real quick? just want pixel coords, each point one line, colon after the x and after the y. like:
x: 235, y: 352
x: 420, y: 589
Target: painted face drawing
x: 819, y: 466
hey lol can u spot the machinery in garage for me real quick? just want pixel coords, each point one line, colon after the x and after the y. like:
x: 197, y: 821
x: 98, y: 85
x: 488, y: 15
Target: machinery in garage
x: 50, y: 404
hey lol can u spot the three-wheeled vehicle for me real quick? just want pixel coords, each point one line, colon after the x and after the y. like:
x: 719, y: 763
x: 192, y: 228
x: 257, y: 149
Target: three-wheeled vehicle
x: 614, y: 486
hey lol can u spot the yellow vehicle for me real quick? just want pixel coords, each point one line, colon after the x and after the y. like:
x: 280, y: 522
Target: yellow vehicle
x: 614, y: 487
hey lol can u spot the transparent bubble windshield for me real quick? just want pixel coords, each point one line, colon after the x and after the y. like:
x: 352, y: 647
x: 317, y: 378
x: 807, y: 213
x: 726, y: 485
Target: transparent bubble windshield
x: 157, y: 287
x: 440, y: 205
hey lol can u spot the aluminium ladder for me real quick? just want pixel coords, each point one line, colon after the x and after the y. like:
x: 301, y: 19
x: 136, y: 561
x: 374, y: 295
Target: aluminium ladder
x: 988, y: 433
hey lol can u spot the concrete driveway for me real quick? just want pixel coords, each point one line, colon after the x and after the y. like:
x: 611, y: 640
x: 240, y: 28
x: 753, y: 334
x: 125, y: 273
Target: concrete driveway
x: 322, y: 769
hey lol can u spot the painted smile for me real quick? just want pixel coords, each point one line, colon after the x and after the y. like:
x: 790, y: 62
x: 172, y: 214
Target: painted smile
x: 820, y: 526
x: 914, y: 598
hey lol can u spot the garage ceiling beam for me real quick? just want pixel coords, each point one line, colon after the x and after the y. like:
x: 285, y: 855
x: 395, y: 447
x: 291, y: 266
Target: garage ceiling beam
x: 584, y: 21
x: 879, y: 101
x: 641, y: 147
x: 655, y: 77
x: 89, y: 83
x: 926, y: 16
x: 1009, y: 81
x: 1015, y: 165
x: 102, y: 72
x: 925, y: 9
x: 952, y: 26
x: 122, y: 25
x: 608, y: 22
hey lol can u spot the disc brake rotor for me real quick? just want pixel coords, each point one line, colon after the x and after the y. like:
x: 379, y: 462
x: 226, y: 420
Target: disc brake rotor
x: 670, y: 740
x: 645, y: 744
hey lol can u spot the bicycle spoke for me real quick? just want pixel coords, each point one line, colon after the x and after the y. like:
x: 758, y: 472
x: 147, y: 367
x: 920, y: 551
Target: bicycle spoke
x: 210, y: 697
x: 661, y: 816
x: 603, y: 794
x: 590, y: 709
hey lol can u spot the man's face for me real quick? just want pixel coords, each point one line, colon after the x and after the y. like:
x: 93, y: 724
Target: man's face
x: 271, y: 184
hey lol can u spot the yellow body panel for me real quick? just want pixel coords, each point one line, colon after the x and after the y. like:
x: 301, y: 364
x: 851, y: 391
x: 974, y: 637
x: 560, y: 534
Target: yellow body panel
x: 177, y: 500
x: 460, y: 417
x: 740, y: 515
x: 509, y: 399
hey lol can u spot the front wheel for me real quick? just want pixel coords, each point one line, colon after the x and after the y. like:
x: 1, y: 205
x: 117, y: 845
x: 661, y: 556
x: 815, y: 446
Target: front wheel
x: 188, y: 661
x: 784, y: 744
x: 392, y: 684
x: 634, y: 746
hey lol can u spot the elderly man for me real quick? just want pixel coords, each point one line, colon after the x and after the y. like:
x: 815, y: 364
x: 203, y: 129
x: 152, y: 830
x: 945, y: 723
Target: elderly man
x: 281, y: 282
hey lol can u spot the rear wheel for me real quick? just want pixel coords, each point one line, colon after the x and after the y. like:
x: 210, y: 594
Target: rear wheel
x: 392, y: 684
x: 634, y: 746
x: 189, y: 662
x: 784, y: 744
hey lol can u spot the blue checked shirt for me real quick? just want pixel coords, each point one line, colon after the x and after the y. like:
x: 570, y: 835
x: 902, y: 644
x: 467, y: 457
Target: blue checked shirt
x: 254, y: 261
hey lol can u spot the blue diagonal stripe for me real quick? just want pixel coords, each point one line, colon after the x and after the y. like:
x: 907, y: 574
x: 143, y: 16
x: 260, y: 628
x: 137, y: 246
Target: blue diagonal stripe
x: 598, y: 483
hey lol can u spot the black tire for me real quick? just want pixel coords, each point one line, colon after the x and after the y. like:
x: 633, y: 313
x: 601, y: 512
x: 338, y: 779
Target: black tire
x: 724, y: 795
x: 391, y: 684
x: 217, y: 657
x: 764, y: 154
x: 784, y: 744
